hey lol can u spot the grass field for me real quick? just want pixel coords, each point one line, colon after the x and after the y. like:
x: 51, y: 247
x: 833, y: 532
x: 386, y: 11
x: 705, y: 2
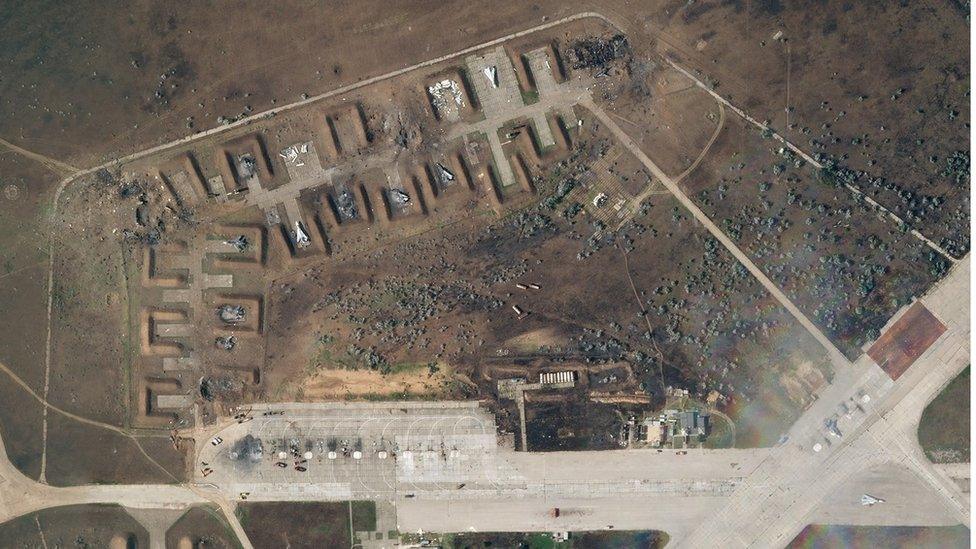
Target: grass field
x: 944, y: 429
x: 891, y: 537
x: 74, y: 526
x: 318, y: 524
x: 648, y: 539
x: 202, y: 526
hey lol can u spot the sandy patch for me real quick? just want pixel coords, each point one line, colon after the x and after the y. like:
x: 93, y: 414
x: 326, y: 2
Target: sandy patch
x: 325, y: 384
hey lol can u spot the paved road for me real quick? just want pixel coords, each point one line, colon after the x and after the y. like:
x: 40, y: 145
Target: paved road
x: 781, y: 497
x: 20, y: 495
x: 781, y: 491
x: 775, y: 492
x: 813, y: 162
x: 436, y: 451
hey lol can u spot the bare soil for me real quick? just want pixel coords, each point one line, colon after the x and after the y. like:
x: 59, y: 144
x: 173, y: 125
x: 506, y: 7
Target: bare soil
x: 441, y: 289
x: 25, y: 192
x: 855, y: 92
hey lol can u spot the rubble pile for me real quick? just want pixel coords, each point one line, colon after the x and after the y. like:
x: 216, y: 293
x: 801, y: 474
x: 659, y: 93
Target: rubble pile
x: 598, y: 53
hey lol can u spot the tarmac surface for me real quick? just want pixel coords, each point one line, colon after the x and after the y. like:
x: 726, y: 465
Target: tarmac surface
x: 449, y: 474
x: 455, y: 480
x: 780, y: 498
x: 438, y: 450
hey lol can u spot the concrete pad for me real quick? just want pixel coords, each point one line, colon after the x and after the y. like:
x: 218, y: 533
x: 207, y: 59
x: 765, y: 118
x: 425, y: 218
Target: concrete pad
x: 177, y: 296
x: 671, y: 513
x: 505, y: 172
x: 507, y: 95
x: 542, y: 73
x: 292, y: 212
x: 216, y: 185
x: 218, y: 281
x: 303, y: 166
x: 220, y: 247
x: 172, y: 364
x: 543, y: 130
x: 181, y: 186
x: 174, y: 330
x: 174, y: 402
x: 157, y: 522
x: 907, y: 501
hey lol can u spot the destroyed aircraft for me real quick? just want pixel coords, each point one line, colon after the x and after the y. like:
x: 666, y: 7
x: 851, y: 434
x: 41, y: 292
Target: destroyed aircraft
x: 301, y: 237
x: 399, y: 197
x: 232, y: 314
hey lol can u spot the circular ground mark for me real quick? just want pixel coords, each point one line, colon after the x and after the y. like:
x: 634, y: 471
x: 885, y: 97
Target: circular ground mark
x: 11, y: 192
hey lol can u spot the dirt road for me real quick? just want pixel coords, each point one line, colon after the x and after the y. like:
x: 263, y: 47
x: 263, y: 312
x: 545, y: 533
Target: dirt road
x: 836, y: 356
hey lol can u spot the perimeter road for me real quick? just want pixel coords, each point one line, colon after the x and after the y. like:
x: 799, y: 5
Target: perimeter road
x: 75, y: 173
x: 857, y: 192
x: 315, y: 98
x: 838, y: 358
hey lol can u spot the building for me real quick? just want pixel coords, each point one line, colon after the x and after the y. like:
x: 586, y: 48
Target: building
x: 654, y: 430
x: 671, y: 426
x: 691, y: 424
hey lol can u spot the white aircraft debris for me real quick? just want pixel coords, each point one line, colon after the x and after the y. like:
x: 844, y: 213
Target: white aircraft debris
x: 491, y: 73
x: 444, y: 174
x: 445, y: 92
x: 831, y: 425
x: 293, y: 153
x: 399, y: 197
x: 301, y: 237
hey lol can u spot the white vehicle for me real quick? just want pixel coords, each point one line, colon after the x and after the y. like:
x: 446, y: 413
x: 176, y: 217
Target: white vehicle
x: 216, y: 441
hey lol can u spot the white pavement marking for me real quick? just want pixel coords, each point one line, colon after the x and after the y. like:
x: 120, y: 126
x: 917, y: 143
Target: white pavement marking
x: 76, y: 174
x: 28, y: 495
x: 772, y: 505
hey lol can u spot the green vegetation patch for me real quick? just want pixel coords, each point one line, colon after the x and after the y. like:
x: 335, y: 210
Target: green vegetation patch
x: 363, y: 516
x: 318, y: 524
x: 648, y: 539
x: 891, y: 537
x: 944, y: 429
x: 74, y: 526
